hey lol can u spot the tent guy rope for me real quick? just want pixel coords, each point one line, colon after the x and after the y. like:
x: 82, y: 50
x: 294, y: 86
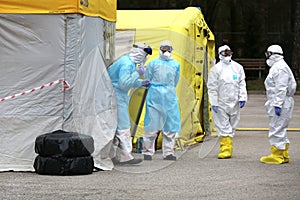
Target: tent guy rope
x: 65, y: 85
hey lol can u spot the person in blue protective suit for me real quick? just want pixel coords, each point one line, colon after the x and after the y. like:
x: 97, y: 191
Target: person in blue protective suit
x: 280, y: 87
x: 227, y: 94
x: 125, y: 75
x: 162, y: 109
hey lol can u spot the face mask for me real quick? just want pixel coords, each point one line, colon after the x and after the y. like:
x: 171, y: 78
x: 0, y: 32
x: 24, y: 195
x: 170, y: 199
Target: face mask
x: 225, y: 60
x: 137, y: 55
x: 165, y: 56
x: 140, y: 59
x: 270, y: 62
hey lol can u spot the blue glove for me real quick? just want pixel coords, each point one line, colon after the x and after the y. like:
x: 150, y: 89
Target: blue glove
x: 242, y: 104
x: 141, y: 70
x: 146, y: 83
x: 277, y: 111
x: 215, y: 109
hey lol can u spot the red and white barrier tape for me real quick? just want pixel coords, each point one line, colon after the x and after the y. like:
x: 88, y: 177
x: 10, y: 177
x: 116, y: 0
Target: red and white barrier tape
x: 65, y: 85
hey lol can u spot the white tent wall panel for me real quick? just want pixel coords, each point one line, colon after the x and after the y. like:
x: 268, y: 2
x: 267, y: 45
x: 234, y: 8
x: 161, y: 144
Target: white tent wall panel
x: 38, y: 49
x: 31, y: 55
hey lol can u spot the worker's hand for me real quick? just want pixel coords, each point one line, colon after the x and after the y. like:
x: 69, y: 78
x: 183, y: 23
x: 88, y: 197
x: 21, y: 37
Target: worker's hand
x: 141, y: 70
x: 242, y: 104
x: 277, y: 111
x: 215, y: 109
x: 146, y: 83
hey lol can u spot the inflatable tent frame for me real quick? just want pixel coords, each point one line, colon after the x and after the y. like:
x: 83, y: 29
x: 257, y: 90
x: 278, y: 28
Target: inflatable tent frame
x: 194, y: 48
x: 54, y: 56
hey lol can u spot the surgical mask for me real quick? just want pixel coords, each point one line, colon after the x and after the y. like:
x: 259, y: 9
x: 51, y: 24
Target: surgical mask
x: 165, y: 56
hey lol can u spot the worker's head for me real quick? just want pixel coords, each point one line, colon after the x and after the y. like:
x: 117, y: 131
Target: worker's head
x: 225, y: 54
x: 273, y: 50
x: 165, y: 50
x: 273, y: 54
x: 139, y: 52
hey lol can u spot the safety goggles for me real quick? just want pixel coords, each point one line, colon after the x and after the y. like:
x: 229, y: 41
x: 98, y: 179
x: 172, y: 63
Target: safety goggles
x: 166, y: 48
x: 148, y: 49
x: 269, y: 53
x: 226, y: 52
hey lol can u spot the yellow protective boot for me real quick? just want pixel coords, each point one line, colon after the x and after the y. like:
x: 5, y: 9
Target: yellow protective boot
x: 286, y: 156
x: 276, y: 157
x: 225, y: 147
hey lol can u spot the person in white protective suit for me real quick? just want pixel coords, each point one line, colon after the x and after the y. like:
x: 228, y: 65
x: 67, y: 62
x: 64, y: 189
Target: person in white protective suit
x: 125, y: 75
x: 280, y: 87
x: 162, y: 109
x: 227, y: 94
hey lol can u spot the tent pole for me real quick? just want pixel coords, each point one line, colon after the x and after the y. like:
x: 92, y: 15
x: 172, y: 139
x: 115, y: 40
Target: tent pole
x: 136, y: 123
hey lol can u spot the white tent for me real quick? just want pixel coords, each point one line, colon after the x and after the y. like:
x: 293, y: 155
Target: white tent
x: 72, y: 46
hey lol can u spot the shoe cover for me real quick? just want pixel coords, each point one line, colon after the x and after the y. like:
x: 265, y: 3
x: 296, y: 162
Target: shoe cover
x: 225, y: 147
x: 276, y: 157
x: 170, y: 157
x: 133, y: 161
x: 286, y: 154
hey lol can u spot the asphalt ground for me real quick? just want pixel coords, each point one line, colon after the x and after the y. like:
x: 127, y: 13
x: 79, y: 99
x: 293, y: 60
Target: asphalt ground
x: 197, y: 173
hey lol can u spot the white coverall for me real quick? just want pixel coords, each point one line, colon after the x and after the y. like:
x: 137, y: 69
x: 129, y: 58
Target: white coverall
x: 280, y: 87
x: 226, y: 88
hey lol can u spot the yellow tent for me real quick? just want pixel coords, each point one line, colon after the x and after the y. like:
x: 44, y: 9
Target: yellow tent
x: 194, y: 49
x: 101, y: 8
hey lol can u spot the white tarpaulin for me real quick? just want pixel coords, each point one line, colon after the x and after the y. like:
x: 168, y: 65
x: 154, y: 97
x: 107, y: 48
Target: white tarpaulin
x: 38, y: 49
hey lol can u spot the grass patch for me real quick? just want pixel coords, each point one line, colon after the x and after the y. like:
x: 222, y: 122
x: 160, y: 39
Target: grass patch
x: 258, y: 85
x: 255, y: 85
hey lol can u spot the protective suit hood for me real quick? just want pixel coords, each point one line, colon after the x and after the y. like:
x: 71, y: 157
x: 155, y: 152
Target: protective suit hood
x: 224, y: 59
x: 276, y: 54
x: 223, y: 48
x: 166, y: 43
x: 275, y: 49
x: 137, y: 53
x: 166, y: 49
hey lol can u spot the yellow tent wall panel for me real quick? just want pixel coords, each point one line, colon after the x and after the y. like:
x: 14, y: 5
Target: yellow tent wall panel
x: 194, y: 49
x: 105, y: 9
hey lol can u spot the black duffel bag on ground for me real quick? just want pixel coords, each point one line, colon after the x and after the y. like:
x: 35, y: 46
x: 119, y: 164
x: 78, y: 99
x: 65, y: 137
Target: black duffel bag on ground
x: 63, y: 165
x: 64, y: 153
x: 62, y: 143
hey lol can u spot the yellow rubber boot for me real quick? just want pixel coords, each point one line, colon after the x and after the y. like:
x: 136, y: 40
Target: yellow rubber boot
x: 286, y: 156
x: 225, y: 147
x: 276, y: 157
